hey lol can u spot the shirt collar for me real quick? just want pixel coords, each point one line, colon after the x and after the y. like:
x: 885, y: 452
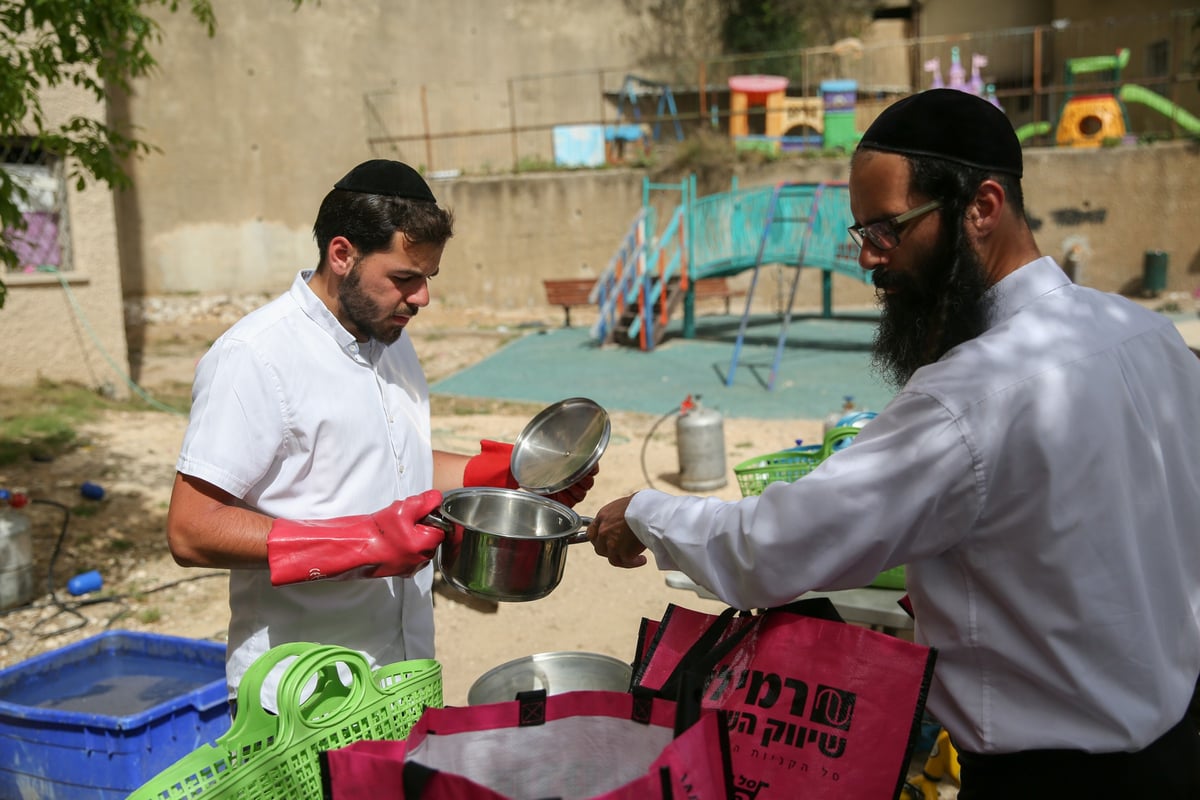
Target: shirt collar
x: 1022, y: 286
x: 319, y: 313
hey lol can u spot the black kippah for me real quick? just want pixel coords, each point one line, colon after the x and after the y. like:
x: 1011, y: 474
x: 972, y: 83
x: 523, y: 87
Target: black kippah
x: 950, y: 125
x: 391, y: 178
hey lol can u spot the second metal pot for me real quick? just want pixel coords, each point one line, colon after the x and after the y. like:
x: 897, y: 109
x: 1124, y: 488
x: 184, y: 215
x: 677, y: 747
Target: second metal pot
x: 505, y: 544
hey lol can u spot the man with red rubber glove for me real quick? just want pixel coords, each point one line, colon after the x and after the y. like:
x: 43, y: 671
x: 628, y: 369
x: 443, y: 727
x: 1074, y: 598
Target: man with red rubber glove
x: 307, y: 465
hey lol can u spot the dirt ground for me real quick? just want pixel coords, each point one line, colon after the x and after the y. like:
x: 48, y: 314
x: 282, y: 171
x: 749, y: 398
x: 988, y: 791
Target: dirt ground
x: 131, y: 455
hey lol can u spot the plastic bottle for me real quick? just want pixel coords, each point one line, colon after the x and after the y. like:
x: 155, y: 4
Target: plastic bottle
x: 991, y: 96
x: 978, y: 62
x: 92, y: 491
x: 85, y: 582
x: 934, y: 67
x: 832, y: 420
x: 958, y: 75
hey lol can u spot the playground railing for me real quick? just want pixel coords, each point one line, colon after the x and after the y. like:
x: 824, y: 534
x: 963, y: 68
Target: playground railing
x: 621, y: 274
x: 666, y: 260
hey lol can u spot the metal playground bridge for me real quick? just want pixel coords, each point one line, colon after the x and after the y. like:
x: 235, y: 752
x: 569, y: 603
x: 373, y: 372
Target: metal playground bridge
x: 653, y: 273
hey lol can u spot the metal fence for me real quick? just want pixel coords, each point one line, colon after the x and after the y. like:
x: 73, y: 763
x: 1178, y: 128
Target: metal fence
x: 510, y: 124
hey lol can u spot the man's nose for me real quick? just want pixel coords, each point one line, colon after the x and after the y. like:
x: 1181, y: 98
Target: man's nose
x: 421, y: 296
x: 869, y: 257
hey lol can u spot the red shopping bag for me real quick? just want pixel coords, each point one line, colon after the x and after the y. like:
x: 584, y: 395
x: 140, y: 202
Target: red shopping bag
x: 590, y: 745
x: 818, y: 708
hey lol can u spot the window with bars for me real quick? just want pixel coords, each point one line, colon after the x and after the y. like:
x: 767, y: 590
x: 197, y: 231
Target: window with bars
x: 43, y: 244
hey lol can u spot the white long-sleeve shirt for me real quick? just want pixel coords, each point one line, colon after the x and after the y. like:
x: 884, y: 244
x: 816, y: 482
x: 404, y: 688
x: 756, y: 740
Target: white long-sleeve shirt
x: 1042, y: 483
x: 300, y: 421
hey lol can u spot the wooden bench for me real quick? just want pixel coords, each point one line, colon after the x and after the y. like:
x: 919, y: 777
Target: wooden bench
x: 570, y: 292
x: 719, y: 288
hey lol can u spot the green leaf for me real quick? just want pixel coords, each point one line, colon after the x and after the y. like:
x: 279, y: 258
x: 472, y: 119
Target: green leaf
x: 96, y: 45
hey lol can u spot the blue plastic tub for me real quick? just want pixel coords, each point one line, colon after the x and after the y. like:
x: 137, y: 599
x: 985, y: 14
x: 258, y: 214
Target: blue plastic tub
x: 100, y: 717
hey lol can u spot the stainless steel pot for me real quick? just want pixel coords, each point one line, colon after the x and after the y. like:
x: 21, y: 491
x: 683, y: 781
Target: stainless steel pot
x: 556, y: 673
x: 505, y: 544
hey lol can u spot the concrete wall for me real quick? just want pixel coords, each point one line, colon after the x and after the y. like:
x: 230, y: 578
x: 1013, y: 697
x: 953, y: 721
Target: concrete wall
x: 1107, y: 207
x: 75, y: 333
x: 1115, y: 204
x: 514, y: 231
x: 255, y: 124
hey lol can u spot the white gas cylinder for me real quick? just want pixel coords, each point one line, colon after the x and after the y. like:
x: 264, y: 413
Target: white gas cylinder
x: 700, y: 440
x: 16, y: 553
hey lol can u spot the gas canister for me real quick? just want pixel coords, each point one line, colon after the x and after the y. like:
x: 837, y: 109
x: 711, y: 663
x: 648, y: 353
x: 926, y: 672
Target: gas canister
x: 700, y: 440
x: 16, y: 551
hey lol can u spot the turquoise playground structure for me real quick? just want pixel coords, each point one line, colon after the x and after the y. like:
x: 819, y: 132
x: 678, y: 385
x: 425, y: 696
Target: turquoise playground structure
x: 653, y: 272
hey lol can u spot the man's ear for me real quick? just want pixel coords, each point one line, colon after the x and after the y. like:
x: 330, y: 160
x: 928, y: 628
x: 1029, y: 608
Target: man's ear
x: 983, y: 214
x: 341, y: 256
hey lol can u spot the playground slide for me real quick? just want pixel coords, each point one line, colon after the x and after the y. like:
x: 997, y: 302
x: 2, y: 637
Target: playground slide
x: 1031, y: 129
x: 1132, y: 93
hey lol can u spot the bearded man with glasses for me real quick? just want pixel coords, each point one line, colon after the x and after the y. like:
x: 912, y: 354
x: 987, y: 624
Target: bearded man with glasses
x: 1037, y: 472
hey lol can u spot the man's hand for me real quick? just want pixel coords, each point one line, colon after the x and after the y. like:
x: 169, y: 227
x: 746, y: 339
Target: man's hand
x: 612, y: 537
x: 389, y: 542
x: 576, y: 491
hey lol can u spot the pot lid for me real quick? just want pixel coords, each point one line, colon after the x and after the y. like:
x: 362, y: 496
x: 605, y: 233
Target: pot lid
x: 560, y: 445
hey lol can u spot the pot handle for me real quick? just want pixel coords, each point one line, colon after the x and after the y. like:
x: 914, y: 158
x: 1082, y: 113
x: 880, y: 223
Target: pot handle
x: 436, y: 520
x: 580, y: 536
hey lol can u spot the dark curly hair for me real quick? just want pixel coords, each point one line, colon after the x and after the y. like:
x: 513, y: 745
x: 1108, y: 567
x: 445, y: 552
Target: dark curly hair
x: 370, y: 221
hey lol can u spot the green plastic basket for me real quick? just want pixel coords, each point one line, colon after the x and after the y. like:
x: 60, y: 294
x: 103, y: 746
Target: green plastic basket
x: 264, y: 755
x: 754, y: 474
x: 890, y: 579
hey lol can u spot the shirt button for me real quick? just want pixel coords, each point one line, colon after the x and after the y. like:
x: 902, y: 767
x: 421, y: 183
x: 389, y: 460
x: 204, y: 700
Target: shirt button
x: 353, y: 348
x: 400, y: 470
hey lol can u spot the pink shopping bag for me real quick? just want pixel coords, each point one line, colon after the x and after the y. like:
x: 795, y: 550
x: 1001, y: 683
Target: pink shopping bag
x: 818, y: 708
x: 588, y: 745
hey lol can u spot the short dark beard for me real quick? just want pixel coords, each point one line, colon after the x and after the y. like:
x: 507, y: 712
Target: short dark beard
x: 940, y: 307
x: 362, y: 312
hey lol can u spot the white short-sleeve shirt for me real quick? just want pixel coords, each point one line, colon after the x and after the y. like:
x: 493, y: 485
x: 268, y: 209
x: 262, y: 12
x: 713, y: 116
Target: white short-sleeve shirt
x: 295, y: 417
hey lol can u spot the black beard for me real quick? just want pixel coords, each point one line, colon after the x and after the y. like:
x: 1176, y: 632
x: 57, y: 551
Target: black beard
x: 939, y: 307
x: 363, y: 313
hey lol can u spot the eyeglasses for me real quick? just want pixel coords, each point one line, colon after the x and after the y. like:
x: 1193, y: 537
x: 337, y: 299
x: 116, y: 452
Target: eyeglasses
x: 885, y: 234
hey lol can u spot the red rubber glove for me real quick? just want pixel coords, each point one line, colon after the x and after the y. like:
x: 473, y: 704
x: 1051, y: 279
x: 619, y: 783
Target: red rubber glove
x: 388, y: 542
x: 492, y: 468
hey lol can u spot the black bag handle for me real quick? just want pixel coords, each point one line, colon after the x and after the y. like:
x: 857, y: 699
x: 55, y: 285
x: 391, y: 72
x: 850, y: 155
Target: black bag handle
x: 688, y: 680
x: 711, y: 634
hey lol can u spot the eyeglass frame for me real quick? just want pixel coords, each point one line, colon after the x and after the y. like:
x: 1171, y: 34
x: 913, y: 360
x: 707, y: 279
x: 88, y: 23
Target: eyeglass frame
x: 892, y: 226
